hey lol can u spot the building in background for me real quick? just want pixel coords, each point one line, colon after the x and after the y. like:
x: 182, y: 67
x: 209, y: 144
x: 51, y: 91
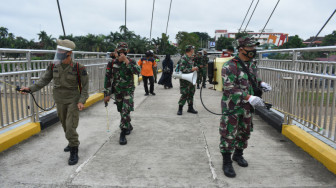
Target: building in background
x: 267, y: 37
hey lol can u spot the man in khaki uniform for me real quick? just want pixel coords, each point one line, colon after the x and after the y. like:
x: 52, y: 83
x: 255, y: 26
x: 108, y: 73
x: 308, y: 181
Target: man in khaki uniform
x: 70, y: 92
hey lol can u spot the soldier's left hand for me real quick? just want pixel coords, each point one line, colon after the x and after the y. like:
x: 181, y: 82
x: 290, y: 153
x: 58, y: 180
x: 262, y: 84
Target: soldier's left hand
x: 123, y: 58
x: 265, y: 86
x: 80, y: 106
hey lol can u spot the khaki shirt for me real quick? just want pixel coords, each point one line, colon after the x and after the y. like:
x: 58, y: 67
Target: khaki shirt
x: 65, y: 88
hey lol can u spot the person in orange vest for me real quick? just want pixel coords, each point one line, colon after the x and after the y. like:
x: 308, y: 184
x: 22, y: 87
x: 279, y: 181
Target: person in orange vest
x: 147, y: 63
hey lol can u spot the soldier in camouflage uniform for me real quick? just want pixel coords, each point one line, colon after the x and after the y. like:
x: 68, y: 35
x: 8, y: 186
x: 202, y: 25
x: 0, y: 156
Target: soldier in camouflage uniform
x: 238, y: 99
x: 119, y: 80
x: 70, y: 92
x: 198, y: 63
x: 204, y: 69
x: 187, y: 89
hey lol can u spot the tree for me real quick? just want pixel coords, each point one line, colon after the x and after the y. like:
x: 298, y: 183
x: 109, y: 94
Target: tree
x: 184, y: 38
x: 46, y: 41
x: 223, y: 43
x: 293, y: 42
x: 203, y: 38
x: 329, y: 40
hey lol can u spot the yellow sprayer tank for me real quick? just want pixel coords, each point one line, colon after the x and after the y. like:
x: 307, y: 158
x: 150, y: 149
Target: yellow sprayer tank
x: 218, y: 64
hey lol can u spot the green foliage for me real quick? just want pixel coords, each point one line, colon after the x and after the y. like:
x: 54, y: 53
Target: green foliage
x: 89, y: 42
x: 184, y: 38
x: 293, y: 42
x: 329, y: 40
x: 223, y: 43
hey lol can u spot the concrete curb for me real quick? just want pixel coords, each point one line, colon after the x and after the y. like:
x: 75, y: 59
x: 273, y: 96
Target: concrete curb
x: 17, y: 135
x: 93, y: 99
x: 316, y: 148
x: 12, y: 137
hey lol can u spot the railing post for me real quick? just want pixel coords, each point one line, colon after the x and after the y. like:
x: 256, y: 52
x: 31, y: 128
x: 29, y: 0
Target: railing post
x: 31, y: 103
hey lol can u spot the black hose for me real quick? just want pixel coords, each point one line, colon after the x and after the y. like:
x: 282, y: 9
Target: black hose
x: 228, y: 113
x: 25, y: 91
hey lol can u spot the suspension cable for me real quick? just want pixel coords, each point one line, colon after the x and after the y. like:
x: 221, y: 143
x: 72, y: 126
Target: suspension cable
x: 251, y: 15
x: 268, y: 19
x: 245, y: 16
x: 59, y: 10
x: 150, y: 35
x: 322, y: 28
x: 168, y: 16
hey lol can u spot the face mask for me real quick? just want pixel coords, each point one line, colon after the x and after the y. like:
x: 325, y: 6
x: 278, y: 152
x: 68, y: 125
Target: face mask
x: 250, y: 53
x: 61, y: 56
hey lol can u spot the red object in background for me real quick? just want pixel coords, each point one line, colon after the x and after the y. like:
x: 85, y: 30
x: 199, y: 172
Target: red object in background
x: 226, y: 54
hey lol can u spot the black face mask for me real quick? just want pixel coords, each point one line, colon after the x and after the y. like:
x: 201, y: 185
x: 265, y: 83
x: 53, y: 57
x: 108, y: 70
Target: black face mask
x: 250, y: 53
x: 61, y: 56
x: 119, y: 53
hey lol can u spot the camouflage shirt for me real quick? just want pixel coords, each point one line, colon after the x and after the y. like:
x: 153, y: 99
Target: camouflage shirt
x: 120, y: 76
x: 204, y: 60
x: 236, y: 85
x: 186, y: 64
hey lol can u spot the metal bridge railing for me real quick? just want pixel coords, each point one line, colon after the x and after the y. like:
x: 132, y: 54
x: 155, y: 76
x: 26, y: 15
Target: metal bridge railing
x: 303, y: 90
x: 16, y: 107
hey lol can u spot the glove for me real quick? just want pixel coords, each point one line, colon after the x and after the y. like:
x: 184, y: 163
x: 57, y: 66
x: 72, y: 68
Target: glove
x: 265, y: 86
x: 256, y: 101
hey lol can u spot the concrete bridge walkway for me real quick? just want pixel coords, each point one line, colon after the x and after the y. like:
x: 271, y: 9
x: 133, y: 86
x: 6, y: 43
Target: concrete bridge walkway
x: 164, y: 150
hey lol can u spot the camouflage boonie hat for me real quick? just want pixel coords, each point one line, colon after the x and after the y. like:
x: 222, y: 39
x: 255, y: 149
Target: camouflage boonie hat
x: 122, y: 46
x: 245, y: 41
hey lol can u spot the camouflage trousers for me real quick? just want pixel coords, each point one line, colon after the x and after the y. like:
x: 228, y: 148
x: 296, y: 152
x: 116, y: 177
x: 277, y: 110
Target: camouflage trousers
x: 201, y: 76
x: 235, y: 130
x: 69, y: 116
x: 125, y: 104
x: 187, y: 91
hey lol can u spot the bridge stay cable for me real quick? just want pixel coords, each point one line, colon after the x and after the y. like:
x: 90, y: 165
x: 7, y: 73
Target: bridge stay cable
x: 322, y: 28
x: 268, y: 19
x: 245, y: 16
x: 251, y: 15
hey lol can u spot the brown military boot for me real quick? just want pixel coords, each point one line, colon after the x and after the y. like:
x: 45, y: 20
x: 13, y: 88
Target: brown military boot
x: 238, y: 157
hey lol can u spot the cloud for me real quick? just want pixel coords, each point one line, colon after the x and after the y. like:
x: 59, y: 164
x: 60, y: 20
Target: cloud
x: 301, y: 17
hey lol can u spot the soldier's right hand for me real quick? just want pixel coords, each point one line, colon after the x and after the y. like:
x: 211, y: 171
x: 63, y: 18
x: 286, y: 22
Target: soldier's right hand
x: 24, y: 90
x: 107, y: 99
x: 256, y: 101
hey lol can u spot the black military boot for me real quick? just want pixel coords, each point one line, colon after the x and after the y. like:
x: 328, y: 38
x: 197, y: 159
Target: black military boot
x: 227, y: 165
x: 73, y: 155
x: 122, y: 139
x: 238, y: 157
x: 179, y: 112
x: 191, y: 109
x: 67, y: 148
x: 128, y: 131
x: 198, y: 86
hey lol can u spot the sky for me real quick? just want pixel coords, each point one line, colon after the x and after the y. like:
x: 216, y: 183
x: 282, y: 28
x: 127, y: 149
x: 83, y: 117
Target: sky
x: 26, y: 18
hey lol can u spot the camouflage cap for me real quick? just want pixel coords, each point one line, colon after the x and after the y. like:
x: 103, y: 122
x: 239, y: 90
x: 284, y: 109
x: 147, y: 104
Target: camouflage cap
x: 245, y: 41
x: 189, y: 47
x: 122, y: 46
x: 65, y: 44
